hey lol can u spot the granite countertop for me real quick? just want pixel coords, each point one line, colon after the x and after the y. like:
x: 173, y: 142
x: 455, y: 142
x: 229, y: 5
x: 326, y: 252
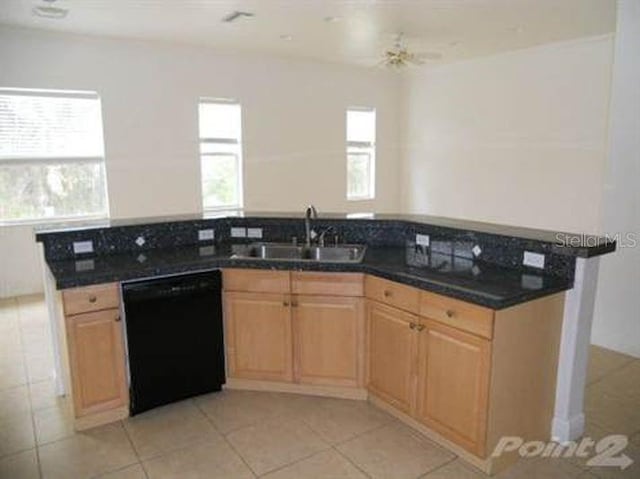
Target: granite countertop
x: 477, y: 282
x: 573, y: 244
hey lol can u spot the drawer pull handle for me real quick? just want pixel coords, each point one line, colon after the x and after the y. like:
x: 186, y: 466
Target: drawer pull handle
x: 412, y: 325
x: 92, y: 299
x: 387, y: 293
x: 450, y: 313
x: 420, y: 327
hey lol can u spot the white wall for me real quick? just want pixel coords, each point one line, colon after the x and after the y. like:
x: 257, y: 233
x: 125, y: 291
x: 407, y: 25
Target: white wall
x: 517, y: 138
x: 617, y: 313
x: 293, y: 126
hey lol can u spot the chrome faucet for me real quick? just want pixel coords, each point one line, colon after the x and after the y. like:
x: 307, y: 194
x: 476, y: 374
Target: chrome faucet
x: 308, y: 214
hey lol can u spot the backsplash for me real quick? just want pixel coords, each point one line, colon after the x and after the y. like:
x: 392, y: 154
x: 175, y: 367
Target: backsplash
x: 443, y: 241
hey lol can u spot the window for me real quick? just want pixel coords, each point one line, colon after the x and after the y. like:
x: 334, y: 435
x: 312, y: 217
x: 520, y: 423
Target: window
x: 221, y: 154
x: 51, y: 155
x: 361, y: 153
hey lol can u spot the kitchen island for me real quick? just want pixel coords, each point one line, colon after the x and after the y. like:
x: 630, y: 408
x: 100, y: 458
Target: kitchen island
x: 441, y: 323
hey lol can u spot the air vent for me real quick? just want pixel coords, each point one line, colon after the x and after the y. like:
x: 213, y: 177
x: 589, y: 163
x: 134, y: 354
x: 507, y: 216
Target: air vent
x: 48, y: 10
x: 233, y: 16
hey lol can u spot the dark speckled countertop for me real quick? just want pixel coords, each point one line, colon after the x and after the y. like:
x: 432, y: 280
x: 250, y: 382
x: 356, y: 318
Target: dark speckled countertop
x: 478, y: 282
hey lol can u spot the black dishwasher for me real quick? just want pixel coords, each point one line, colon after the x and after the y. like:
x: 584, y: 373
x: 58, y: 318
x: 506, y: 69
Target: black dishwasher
x: 174, y: 338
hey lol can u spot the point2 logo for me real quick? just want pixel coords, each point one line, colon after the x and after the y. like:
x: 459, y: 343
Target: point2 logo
x: 607, y: 452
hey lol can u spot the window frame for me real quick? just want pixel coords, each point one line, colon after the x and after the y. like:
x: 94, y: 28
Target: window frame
x: 27, y: 160
x: 222, y: 141
x: 359, y: 148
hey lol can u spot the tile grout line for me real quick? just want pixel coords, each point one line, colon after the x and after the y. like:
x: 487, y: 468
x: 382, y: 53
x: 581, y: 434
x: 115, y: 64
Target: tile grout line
x: 437, y: 468
x: 349, y: 460
x: 28, y: 388
x: 359, y: 435
x: 629, y: 360
x: 304, y: 458
x: 224, y: 438
x: 121, y: 468
x: 133, y: 447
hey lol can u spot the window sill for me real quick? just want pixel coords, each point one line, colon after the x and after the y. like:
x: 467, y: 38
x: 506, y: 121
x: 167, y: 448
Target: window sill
x: 361, y: 198
x: 46, y: 223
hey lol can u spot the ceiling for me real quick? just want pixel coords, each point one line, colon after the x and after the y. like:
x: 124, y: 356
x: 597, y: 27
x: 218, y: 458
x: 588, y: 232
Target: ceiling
x: 347, y: 31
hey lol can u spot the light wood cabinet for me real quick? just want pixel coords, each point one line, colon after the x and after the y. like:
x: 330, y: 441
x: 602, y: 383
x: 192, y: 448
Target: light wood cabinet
x: 464, y: 374
x: 435, y: 373
x: 393, y: 294
x: 453, y: 382
x: 95, y: 353
x: 310, y: 333
x: 96, y: 356
x: 328, y: 342
x: 258, y: 336
x: 392, y: 355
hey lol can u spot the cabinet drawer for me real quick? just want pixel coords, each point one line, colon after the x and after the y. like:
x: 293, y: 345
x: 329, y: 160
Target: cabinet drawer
x: 394, y: 294
x: 255, y: 281
x: 459, y: 314
x: 91, y: 298
x: 327, y: 284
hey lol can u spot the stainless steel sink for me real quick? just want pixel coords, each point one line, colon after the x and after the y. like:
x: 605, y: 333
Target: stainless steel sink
x: 337, y: 254
x: 275, y: 251
x: 290, y: 252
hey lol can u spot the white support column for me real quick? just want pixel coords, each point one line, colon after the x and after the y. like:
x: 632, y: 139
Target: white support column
x: 568, y: 421
x: 54, y: 323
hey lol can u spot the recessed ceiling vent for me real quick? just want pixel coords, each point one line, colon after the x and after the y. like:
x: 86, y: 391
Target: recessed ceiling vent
x: 233, y: 16
x: 48, y: 10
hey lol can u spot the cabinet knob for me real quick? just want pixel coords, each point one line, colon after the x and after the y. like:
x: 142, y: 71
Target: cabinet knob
x: 118, y: 318
x: 92, y: 299
x: 420, y: 327
x: 285, y: 303
x: 412, y: 325
x: 387, y: 293
x: 450, y: 313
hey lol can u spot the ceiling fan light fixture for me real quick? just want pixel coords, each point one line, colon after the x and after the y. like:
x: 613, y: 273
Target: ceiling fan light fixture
x: 399, y: 56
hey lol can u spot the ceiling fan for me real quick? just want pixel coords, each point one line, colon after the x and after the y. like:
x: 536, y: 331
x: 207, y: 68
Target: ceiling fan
x: 399, y: 56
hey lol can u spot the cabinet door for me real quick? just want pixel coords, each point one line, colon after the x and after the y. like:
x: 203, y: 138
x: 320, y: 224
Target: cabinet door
x: 392, y: 341
x: 96, y: 359
x: 328, y: 340
x: 453, y: 380
x: 258, y: 336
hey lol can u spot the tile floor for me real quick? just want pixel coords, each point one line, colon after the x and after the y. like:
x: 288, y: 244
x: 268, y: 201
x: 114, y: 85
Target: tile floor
x: 238, y: 434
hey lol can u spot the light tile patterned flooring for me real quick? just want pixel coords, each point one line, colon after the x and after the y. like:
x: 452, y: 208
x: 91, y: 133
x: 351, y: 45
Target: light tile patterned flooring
x: 238, y: 434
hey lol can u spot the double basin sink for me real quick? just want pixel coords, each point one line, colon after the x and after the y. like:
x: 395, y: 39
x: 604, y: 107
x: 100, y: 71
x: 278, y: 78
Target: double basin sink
x: 291, y: 252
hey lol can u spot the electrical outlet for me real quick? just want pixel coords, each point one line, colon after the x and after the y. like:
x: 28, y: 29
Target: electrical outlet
x: 84, y: 265
x: 422, y: 240
x: 531, y: 282
x: 535, y: 260
x: 238, y: 232
x: 254, y: 233
x: 206, y: 235
x: 80, y: 247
